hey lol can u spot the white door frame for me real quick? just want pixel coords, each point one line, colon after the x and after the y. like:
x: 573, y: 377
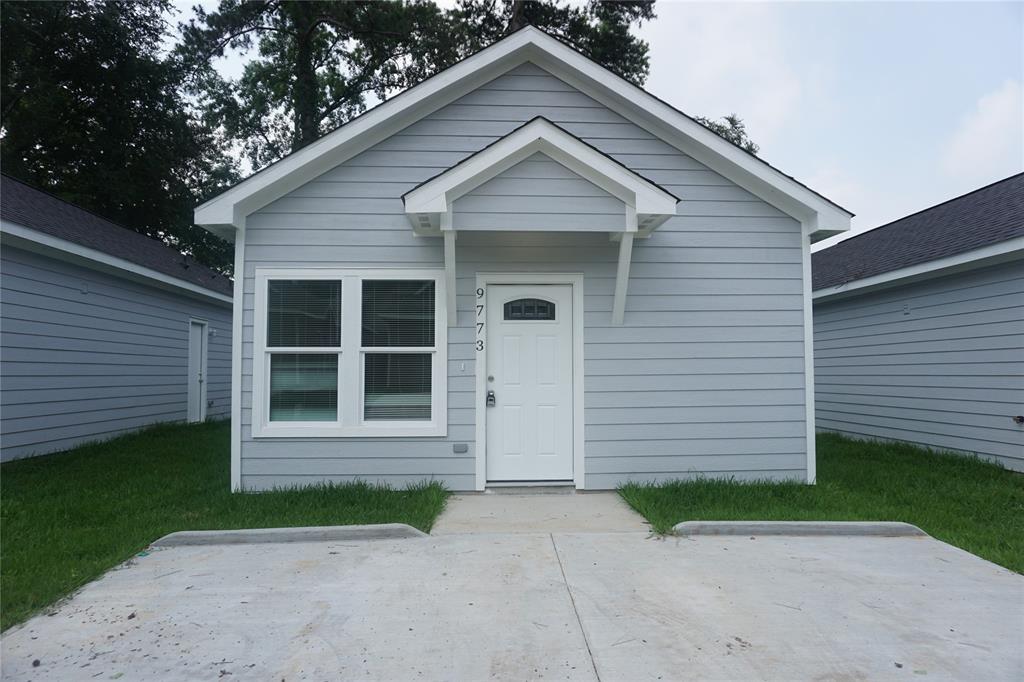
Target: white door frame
x: 483, y: 281
x: 204, y: 361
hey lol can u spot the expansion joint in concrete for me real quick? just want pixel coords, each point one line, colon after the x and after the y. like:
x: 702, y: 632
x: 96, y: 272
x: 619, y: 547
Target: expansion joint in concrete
x: 572, y: 600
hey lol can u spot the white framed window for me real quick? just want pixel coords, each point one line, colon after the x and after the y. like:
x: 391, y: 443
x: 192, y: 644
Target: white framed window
x: 349, y: 353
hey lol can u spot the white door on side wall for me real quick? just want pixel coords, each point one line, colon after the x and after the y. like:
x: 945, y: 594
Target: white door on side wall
x: 196, y: 371
x: 529, y: 371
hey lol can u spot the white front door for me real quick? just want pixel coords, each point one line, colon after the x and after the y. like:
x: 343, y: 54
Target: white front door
x: 529, y: 371
x: 196, y: 371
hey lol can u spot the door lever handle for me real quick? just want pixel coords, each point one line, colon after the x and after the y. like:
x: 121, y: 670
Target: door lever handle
x: 491, y: 400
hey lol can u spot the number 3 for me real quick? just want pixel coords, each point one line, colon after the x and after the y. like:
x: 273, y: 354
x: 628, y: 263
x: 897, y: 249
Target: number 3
x: 479, y: 344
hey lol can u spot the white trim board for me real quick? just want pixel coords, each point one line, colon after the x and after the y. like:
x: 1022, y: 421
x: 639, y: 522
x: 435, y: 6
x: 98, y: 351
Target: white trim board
x: 994, y: 254
x: 809, y: 414
x: 19, y: 236
x: 650, y: 204
x: 224, y: 213
x: 485, y: 279
x: 237, y: 322
x: 350, y: 422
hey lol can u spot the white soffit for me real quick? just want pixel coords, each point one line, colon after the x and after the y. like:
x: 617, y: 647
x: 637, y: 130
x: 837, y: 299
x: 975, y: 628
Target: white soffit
x: 425, y: 203
x: 820, y: 216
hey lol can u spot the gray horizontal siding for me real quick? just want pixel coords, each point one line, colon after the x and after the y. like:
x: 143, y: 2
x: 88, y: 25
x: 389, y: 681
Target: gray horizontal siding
x: 705, y: 376
x: 541, y: 195
x: 939, y: 363
x: 87, y: 355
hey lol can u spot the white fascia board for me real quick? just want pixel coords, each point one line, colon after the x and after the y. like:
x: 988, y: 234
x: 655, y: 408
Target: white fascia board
x: 993, y: 254
x: 529, y: 44
x: 540, y: 135
x: 19, y: 236
x: 361, y: 133
x: 682, y: 132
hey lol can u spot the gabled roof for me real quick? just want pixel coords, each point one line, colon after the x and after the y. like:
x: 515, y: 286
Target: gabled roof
x: 28, y: 207
x: 650, y: 204
x: 984, y: 217
x: 227, y: 212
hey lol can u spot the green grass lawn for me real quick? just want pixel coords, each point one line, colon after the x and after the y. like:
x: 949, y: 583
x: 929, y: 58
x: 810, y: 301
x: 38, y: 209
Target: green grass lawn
x: 69, y: 517
x: 963, y: 501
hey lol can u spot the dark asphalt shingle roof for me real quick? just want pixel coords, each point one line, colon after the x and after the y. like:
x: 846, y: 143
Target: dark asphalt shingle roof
x: 35, y: 209
x: 983, y: 217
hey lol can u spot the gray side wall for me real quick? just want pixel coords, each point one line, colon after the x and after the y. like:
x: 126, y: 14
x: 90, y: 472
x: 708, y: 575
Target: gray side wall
x: 705, y: 376
x: 939, y: 363
x: 85, y: 355
x: 539, y: 194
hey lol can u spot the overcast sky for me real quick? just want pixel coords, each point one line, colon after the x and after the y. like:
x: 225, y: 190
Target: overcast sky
x: 886, y: 108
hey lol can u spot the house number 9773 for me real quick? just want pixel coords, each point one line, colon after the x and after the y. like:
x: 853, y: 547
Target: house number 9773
x: 479, y: 314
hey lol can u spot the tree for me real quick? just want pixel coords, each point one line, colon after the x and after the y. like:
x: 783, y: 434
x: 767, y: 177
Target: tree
x: 317, y: 63
x: 732, y: 128
x: 93, y: 113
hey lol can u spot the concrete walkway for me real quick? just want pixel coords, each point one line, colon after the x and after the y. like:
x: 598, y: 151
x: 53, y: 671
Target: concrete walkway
x: 566, y: 606
x: 544, y: 511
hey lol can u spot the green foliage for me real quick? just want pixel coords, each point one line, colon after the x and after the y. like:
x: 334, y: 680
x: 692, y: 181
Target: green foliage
x: 972, y: 504
x: 732, y: 128
x: 69, y: 517
x: 314, y: 65
x: 92, y: 112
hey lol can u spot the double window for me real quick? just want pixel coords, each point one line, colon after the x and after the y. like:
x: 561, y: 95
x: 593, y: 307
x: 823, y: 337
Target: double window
x: 349, y: 353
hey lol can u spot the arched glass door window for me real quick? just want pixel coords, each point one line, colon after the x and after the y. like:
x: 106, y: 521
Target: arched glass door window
x: 529, y: 309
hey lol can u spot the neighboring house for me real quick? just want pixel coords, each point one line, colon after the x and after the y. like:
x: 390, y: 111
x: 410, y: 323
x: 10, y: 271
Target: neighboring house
x: 102, y: 329
x: 522, y: 270
x: 919, y: 328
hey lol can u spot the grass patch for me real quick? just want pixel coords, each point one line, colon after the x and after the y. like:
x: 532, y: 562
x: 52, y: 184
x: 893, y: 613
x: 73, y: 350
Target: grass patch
x: 964, y: 501
x: 68, y: 518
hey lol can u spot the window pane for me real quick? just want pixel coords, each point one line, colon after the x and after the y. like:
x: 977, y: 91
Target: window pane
x: 529, y: 309
x: 398, y: 313
x: 397, y: 387
x: 303, y: 388
x: 303, y: 313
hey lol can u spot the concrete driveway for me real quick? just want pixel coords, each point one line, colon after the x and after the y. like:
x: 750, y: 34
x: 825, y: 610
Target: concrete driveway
x: 572, y: 606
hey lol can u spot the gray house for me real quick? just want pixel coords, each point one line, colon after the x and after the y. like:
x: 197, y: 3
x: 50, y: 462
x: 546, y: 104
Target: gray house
x: 524, y: 270
x: 102, y: 330
x: 919, y: 328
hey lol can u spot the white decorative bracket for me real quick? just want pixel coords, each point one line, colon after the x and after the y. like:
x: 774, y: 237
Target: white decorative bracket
x: 622, y: 272
x: 449, y: 265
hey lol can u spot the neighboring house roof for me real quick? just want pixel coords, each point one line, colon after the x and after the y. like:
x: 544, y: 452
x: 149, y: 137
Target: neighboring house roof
x: 227, y: 212
x: 991, y: 215
x: 44, y: 213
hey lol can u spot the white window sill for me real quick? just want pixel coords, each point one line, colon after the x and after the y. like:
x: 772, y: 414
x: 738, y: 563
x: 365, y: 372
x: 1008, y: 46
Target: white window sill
x: 315, y: 430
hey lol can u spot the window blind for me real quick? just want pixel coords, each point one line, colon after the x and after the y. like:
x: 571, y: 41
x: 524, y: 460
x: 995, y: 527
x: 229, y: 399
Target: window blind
x: 397, y: 387
x: 398, y: 313
x: 303, y: 313
x: 303, y: 387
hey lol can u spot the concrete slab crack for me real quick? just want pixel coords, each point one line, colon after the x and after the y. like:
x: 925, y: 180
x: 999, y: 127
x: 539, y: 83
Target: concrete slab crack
x: 572, y: 600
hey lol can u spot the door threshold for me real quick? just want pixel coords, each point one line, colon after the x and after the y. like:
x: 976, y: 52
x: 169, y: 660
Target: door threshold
x: 533, y: 487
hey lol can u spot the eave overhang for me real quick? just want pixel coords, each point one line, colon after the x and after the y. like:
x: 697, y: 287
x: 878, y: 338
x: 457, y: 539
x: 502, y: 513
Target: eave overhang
x: 820, y: 217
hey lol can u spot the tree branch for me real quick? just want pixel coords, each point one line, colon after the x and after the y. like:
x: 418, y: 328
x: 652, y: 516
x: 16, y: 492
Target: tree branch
x: 238, y: 34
